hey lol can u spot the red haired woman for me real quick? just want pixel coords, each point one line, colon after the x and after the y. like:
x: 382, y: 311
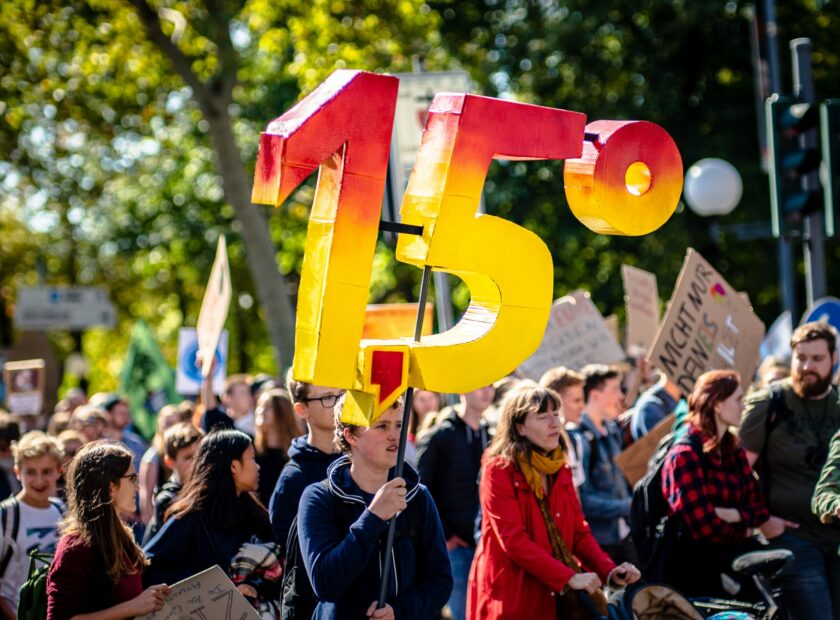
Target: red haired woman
x: 713, y: 497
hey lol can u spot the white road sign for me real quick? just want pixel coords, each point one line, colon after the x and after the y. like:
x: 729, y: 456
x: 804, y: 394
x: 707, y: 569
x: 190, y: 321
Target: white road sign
x: 413, y: 100
x: 40, y: 308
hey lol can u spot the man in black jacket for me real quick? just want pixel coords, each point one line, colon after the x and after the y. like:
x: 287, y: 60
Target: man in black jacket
x: 449, y: 460
x: 309, y: 455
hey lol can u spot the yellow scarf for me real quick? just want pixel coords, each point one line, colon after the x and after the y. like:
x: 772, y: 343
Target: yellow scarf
x: 541, y: 464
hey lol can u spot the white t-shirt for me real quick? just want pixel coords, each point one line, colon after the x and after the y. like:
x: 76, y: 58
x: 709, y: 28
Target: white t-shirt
x: 247, y: 424
x: 36, y: 529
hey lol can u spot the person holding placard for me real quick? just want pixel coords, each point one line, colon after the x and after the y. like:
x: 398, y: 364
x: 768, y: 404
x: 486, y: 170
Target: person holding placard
x: 97, y: 569
x: 536, y: 550
x: 342, y: 523
x: 216, y: 518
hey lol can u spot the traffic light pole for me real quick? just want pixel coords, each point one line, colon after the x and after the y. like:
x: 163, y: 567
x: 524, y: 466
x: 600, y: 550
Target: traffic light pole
x: 787, y: 282
x: 813, y: 238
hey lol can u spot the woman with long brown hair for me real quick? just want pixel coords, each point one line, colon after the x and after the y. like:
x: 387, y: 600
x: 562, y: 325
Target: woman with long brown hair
x: 536, y: 551
x: 276, y: 427
x: 96, y: 573
x: 713, y: 497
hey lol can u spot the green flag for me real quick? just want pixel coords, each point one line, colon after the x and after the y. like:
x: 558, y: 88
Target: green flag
x: 147, y: 380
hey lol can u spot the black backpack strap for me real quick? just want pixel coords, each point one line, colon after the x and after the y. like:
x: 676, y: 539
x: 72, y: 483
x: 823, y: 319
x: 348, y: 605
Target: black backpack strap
x: 777, y: 410
x: 14, y: 504
x: 594, y: 452
x: 59, y: 505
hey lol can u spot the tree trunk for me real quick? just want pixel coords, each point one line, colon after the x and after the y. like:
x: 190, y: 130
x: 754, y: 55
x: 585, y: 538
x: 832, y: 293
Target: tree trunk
x: 213, y: 100
x: 271, y: 288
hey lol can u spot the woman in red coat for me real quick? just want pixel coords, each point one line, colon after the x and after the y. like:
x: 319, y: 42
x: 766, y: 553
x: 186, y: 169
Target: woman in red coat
x: 533, y: 535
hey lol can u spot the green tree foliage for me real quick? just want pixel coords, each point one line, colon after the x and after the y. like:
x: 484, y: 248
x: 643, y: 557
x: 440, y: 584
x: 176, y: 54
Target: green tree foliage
x: 684, y: 65
x: 119, y: 119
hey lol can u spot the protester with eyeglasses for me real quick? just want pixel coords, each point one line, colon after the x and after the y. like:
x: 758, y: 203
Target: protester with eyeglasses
x: 96, y: 572
x: 309, y: 455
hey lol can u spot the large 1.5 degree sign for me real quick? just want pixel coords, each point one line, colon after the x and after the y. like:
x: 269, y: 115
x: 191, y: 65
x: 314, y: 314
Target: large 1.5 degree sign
x: 621, y: 177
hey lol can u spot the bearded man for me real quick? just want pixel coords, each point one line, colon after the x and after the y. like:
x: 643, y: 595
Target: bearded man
x: 786, y: 432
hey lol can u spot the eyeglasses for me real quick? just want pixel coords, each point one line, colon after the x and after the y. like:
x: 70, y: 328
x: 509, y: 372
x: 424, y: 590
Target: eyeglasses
x: 135, y: 477
x: 327, y: 401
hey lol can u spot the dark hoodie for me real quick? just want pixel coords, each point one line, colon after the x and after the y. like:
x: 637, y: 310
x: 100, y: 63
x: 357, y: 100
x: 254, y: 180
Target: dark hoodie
x: 449, y: 459
x: 343, y: 555
x: 306, y: 466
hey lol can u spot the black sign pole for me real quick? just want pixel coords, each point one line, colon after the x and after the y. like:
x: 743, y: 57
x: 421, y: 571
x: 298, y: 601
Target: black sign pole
x: 389, y: 542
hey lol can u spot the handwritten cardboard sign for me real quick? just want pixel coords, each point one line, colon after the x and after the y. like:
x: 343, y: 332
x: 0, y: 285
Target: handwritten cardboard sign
x: 209, y: 595
x: 576, y: 335
x: 24, y: 386
x: 214, y: 308
x: 641, y: 297
x: 709, y: 326
x: 633, y: 462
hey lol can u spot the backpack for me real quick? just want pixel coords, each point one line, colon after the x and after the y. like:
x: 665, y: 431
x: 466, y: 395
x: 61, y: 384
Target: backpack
x: 649, y: 508
x: 7, y: 507
x: 777, y: 412
x: 297, y: 599
x: 33, y: 593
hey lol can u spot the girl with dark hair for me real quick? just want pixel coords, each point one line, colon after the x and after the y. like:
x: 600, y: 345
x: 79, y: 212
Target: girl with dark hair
x: 713, y: 497
x: 276, y: 427
x: 96, y: 573
x: 218, y: 519
x: 536, y: 549
x: 342, y: 524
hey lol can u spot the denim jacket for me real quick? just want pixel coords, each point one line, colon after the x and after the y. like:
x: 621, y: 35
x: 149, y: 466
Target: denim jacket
x: 604, y: 495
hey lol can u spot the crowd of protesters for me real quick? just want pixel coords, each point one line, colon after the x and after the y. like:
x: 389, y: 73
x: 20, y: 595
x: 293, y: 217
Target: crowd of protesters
x: 511, y: 499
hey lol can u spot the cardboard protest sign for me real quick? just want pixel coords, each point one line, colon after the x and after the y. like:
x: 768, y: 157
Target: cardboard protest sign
x: 633, y: 462
x: 641, y: 297
x: 709, y: 326
x: 188, y: 374
x: 612, y: 325
x: 209, y: 595
x: 576, y: 335
x: 24, y: 386
x: 386, y: 321
x: 214, y: 308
